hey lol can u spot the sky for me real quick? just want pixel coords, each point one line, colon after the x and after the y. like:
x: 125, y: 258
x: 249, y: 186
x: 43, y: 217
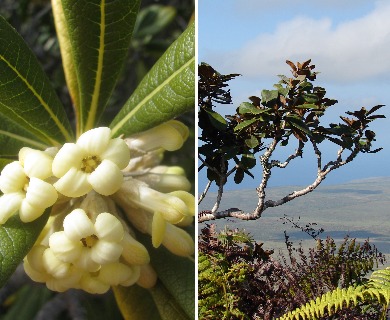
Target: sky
x: 349, y: 43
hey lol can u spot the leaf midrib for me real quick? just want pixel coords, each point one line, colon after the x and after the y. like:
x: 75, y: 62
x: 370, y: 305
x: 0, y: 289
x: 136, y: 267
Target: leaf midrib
x: 98, y: 79
x: 43, y: 103
x: 23, y: 139
x: 150, y: 96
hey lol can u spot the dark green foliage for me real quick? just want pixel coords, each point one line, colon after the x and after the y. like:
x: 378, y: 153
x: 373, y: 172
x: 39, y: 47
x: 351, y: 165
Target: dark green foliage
x: 237, y: 277
x: 289, y: 114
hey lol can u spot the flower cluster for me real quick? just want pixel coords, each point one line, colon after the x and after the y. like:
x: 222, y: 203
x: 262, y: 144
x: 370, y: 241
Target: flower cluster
x: 96, y: 193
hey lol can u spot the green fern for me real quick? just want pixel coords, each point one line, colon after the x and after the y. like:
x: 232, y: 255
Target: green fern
x: 376, y: 290
x: 217, y: 280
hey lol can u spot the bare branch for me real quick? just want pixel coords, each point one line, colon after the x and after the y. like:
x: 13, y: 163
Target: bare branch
x: 203, y: 195
x: 267, y: 165
x: 298, y: 153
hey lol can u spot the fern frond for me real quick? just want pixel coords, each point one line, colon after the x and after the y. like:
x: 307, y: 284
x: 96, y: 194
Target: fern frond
x: 376, y: 290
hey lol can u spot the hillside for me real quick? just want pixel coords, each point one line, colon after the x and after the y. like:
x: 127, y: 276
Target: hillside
x: 360, y: 208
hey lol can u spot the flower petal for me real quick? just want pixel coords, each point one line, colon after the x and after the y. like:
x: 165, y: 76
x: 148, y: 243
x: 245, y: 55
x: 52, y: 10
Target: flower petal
x: 104, y: 252
x: 133, y: 278
x: 63, y: 284
x: 85, y: 261
x: 95, y: 141
x: 28, y: 212
x: 187, y: 198
x: 55, y: 266
x: 148, y: 277
x: 69, y: 156
x: 118, y: 152
x: 106, y: 179
x: 108, y: 227
x: 64, y: 248
x: 73, y: 184
x: 158, y: 229
x: 40, y: 193
x: 178, y: 241
x: 134, y: 252
x: 9, y: 204
x: 115, y: 273
x: 77, y: 225
x: 93, y: 285
x: 13, y: 178
x: 36, y: 163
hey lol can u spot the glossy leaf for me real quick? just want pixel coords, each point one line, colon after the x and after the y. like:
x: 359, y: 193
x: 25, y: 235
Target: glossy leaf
x: 247, y: 107
x: 166, y: 305
x: 29, y: 300
x: 136, y: 303
x: 167, y: 90
x: 95, y: 37
x: 13, y: 137
x: 16, y: 240
x: 216, y: 119
x: 239, y: 176
x: 153, y: 19
x: 297, y: 122
x: 177, y: 276
x: 269, y: 95
x: 26, y: 95
x: 306, y: 106
x: 248, y: 160
x: 310, y: 97
x: 252, y: 142
x: 244, y: 124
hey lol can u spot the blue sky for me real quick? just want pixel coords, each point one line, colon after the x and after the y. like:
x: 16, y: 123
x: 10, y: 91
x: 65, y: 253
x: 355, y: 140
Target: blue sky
x: 349, y: 42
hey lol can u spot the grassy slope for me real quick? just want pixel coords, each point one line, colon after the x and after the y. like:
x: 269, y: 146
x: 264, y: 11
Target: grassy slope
x: 359, y: 208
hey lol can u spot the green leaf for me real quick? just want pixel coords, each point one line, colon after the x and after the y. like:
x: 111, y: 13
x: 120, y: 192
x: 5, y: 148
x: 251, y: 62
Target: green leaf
x: 167, y: 91
x: 153, y: 19
x: 136, y: 303
x: 29, y: 300
x: 244, y: 124
x: 307, y: 106
x: 94, y: 37
x: 13, y: 137
x: 248, y: 160
x: 247, y: 107
x: 269, y: 95
x: 310, y: 97
x: 16, y: 240
x: 282, y: 90
x: 178, y: 276
x: 253, y: 142
x: 166, y: 305
x: 26, y: 95
x: 238, y: 176
x: 216, y: 120
x: 297, y: 122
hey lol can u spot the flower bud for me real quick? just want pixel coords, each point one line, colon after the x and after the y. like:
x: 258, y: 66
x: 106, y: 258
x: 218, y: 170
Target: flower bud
x: 178, y: 241
x: 148, y: 277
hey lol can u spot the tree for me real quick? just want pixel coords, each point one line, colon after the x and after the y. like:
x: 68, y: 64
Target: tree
x: 82, y: 190
x: 288, y: 115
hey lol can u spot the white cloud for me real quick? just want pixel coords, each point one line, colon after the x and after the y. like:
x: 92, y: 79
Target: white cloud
x: 264, y: 6
x: 350, y: 51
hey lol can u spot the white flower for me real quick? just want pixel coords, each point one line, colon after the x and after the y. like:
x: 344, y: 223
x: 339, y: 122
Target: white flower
x: 88, y: 245
x: 93, y: 162
x: 169, y: 136
x: 35, y: 266
x: 24, y: 188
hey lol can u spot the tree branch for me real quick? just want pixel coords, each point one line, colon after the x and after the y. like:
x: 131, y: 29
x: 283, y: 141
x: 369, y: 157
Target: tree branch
x: 267, y: 165
x: 203, y: 195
